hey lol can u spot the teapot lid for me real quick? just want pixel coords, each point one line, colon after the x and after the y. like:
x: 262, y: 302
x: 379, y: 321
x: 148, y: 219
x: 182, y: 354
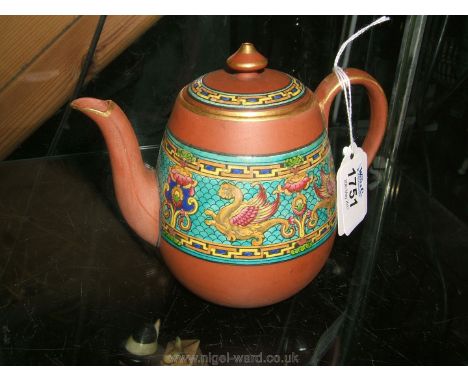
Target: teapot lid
x: 246, y: 89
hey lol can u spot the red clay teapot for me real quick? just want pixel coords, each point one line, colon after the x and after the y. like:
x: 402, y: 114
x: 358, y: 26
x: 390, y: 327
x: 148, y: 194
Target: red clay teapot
x: 242, y: 205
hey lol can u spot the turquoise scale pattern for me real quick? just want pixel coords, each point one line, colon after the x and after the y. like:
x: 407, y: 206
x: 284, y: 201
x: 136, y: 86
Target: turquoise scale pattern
x: 206, y: 194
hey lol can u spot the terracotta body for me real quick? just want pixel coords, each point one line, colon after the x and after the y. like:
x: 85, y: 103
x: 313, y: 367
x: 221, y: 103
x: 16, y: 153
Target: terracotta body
x: 243, y: 202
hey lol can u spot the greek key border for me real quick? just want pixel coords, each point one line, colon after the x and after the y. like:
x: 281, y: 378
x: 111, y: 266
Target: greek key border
x: 231, y: 254
x: 215, y: 169
x: 205, y: 94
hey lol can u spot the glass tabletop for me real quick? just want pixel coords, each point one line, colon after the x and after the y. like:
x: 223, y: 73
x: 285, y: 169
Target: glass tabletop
x: 76, y: 282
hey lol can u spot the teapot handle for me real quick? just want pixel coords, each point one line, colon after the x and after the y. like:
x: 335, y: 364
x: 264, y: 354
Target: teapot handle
x: 330, y: 87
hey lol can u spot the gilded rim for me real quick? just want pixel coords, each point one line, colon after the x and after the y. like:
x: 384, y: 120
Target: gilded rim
x: 205, y: 94
x: 110, y: 105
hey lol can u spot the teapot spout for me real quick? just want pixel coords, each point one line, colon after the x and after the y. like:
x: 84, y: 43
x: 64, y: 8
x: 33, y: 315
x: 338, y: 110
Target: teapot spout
x: 136, y: 186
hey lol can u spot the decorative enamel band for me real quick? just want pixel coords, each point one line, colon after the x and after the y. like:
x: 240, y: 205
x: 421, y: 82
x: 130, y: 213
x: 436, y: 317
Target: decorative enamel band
x: 246, y: 210
x: 205, y: 94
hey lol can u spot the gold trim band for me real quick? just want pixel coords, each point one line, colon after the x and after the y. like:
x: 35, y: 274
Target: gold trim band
x: 106, y: 113
x: 301, y: 105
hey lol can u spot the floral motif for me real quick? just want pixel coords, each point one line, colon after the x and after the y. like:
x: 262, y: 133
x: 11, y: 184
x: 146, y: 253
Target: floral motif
x: 295, y: 183
x: 299, y: 205
x: 179, y: 202
x: 303, y: 217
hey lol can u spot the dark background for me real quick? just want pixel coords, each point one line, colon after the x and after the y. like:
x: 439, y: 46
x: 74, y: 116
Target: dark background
x: 109, y: 282
x: 146, y: 78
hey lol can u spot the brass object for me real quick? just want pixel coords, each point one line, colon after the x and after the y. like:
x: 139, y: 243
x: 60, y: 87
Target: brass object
x: 182, y: 353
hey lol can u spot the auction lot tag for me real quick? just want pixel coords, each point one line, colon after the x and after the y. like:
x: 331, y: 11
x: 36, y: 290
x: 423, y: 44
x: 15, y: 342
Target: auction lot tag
x: 351, y: 179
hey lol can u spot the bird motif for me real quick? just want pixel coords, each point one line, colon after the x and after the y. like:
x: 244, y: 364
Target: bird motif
x: 245, y: 219
x: 255, y: 210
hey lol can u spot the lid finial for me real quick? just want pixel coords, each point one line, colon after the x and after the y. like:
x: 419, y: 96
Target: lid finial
x: 247, y: 59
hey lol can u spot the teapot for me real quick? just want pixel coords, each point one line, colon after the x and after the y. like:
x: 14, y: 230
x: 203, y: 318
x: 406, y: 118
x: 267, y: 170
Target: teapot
x: 242, y: 204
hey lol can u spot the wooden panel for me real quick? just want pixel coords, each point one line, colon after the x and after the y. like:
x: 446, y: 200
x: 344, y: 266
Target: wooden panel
x: 47, y: 81
x: 23, y: 38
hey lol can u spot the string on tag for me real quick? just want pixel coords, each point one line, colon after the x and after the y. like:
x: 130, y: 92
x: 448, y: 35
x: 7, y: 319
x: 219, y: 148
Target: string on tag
x: 345, y: 82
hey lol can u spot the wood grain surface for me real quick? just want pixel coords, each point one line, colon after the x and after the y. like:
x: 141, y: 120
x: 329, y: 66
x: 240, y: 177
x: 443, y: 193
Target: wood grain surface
x: 41, y: 62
